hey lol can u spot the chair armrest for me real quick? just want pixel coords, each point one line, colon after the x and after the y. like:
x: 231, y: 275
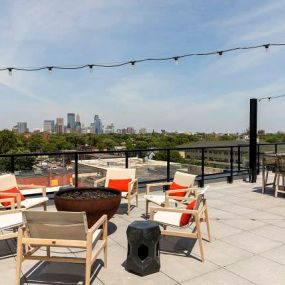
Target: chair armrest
x: 149, y: 186
x: 33, y: 186
x: 102, y: 221
x: 131, y: 184
x: 16, y: 195
x: 10, y: 200
x: 186, y: 199
x: 174, y: 210
x: 98, y: 181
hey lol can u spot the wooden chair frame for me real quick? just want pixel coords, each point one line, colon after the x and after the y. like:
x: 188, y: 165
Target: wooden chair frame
x: 32, y: 245
x: 14, y: 233
x: 22, y: 188
x: 188, y: 191
x: 133, y: 191
x: 198, y: 216
x: 265, y: 172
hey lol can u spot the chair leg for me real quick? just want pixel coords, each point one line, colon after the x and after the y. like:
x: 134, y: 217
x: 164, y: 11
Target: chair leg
x: 199, y: 237
x: 277, y: 185
x: 263, y: 180
x: 146, y: 208
x: 208, y: 224
x: 137, y: 199
x: 105, y: 256
x: 129, y: 206
x: 88, y: 260
x: 48, y: 251
x: 19, y: 257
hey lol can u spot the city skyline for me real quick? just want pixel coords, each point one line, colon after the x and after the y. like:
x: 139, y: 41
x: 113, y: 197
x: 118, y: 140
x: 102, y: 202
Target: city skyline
x: 198, y: 94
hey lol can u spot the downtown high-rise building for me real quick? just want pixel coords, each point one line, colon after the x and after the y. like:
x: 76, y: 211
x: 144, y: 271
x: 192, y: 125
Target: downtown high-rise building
x: 48, y: 126
x: 59, y: 126
x: 97, y: 127
x: 110, y: 129
x: 71, y: 121
x: 77, y: 124
x: 22, y: 127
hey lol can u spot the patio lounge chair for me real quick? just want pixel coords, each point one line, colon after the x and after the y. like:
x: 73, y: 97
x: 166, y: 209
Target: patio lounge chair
x: 10, y: 189
x: 124, y: 180
x: 182, y: 185
x: 61, y: 229
x: 182, y: 218
x: 280, y: 173
x: 10, y: 220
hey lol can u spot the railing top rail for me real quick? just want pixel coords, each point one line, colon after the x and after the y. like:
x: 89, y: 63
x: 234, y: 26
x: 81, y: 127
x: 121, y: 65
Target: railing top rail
x: 74, y: 152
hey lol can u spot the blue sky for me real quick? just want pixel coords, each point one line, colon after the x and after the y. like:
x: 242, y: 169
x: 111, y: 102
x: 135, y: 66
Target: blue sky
x: 198, y: 94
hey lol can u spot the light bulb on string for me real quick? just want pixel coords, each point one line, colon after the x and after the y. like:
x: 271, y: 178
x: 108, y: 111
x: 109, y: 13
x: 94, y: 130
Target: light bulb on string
x: 176, y: 59
x: 91, y: 68
x: 266, y: 47
x: 50, y: 69
x: 10, y: 71
x: 220, y: 53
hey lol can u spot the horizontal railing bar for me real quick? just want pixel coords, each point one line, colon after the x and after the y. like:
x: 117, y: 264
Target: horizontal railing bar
x: 73, y: 152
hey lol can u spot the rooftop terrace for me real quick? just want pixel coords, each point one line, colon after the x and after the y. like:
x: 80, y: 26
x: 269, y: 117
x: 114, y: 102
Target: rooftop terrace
x: 248, y: 246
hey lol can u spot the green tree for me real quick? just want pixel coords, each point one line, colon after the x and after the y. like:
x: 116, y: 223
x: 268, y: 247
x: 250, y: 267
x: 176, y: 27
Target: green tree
x: 8, y: 141
x: 20, y: 163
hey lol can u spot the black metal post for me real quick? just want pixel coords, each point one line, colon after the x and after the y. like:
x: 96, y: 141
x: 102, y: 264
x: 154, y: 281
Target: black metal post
x: 126, y: 159
x: 258, y: 159
x: 253, y: 138
x: 276, y: 148
x: 238, y: 158
x: 168, y: 165
x: 202, y: 182
x: 76, y: 169
x: 12, y: 163
x: 231, y: 178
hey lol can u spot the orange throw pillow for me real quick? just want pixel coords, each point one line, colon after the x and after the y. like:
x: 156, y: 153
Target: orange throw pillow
x: 119, y: 184
x: 12, y: 190
x: 175, y: 186
x: 185, y: 218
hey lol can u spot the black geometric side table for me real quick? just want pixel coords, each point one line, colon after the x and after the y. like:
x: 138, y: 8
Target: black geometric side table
x: 143, y: 247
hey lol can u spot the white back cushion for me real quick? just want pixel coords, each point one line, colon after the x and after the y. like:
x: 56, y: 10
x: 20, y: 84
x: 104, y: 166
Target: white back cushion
x: 184, y: 179
x: 120, y: 173
x: 7, y: 181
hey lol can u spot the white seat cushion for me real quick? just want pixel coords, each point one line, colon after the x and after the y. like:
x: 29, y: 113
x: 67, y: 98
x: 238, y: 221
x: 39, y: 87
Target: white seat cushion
x: 169, y: 218
x: 124, y: 194
x: 31, y: 202
x: 159, y: 200
x: 10, y: 220
x: 39, y: 190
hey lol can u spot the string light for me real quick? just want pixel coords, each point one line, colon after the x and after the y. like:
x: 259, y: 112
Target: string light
x: 176, y: 59
x: 10, y: 71
x: 134, y: 62
x: 50, y: 69
x: 266, y: 46
x: 271, y: 98
x: 90, y: 68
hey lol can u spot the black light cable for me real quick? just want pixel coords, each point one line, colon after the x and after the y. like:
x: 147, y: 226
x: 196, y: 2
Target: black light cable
x: 176, y: 58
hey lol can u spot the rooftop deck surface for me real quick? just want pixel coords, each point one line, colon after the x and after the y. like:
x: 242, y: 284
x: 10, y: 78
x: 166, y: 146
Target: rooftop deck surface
x: 248, y: 246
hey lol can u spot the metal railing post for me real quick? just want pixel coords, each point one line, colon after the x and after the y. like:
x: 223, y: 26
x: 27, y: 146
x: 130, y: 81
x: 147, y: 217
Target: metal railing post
x: 168, y: 165
x: 231, y: 178
x: 202, y: 182
x: 276, y: 148
x: 126, y: 159
x: 12, y: 163
x: 258, y: 159
x: 76, y: 169
x: 239, y: 158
